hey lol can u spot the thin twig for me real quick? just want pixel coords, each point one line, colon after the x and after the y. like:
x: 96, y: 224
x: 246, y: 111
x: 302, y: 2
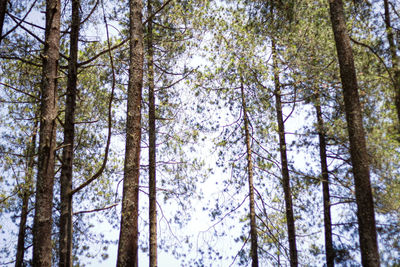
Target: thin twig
x: 244, y: 243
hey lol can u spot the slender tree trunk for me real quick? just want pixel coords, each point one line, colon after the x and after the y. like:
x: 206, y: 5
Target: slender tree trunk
x: 19, y: 261
x: 329, y: 252
x: 27, y: 192
x: 358, y: 148
x: 3, y: 10
x: 284, y: 163
x: 253, y: 224
x: 152, y: 143
x: 42, y: 223
x: 128, y: 240
x: 395, y: 59
x: 66, y: 227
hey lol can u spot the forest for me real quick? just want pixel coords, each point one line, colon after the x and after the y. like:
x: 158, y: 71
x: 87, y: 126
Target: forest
x: 199, y: 133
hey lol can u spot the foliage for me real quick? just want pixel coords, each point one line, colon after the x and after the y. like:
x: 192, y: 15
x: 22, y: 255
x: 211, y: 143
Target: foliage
x: 204, y: 51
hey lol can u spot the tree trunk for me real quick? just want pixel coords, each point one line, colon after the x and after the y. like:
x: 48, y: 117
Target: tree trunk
x: 19, y: 261
x: 152, y: 143
x: 253, y: 224
x: 42, y: 224
x: 65, y: 243
x: 358, y: 148
x: 395, y: 60
x: 128, y: 241
x: 284, y: 163
x: 27, y: 192
x: 3, y: 10
x: 329, y: 252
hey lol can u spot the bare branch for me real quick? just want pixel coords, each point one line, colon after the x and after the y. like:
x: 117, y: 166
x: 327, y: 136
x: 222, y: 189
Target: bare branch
x: 376, y: 54
x: 156, y: 12
x: 19, y: 23
x: 103, y: 166
x: 19, y: 90
x: 96, y: 210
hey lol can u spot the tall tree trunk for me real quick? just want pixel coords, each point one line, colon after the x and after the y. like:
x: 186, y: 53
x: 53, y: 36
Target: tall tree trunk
x: 42, y: 223
x: 3, y: 10
x: 329, y: 252
x: 128, y: 240
x: 65, y: 242
x: 253, y: 224
x: 152, y: 142
x: 395, y: 60
x: 27, y: 192
x: 284, y: 163
x: 358, y: 148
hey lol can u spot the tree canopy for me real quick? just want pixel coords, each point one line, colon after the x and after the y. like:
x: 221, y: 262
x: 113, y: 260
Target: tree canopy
x: 199, y: 133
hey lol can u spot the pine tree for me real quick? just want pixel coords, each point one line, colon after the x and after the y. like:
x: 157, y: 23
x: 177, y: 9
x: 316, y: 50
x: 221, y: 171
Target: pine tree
x: 284, y: 162
x: 65, y: 256
x: 253, y: 223
x: 152, y: 140
x: 329, y: 251
x: 395, y: 58
x: 358, y: 149
x: 128, y: 241
x: 42, y: 226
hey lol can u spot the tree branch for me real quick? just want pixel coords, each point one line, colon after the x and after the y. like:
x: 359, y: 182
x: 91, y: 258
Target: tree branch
x: 95, y: 210
x: 103, y: 166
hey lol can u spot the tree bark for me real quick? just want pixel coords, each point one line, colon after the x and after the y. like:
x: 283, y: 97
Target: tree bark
x: 27, y: 192
x: 66, y: 227
x: 152, y: 142
x: 253, y: 224
x: 128, y: 241
x: 42, y: 224
x: 395, y: 60
x: 358, y: 148
x: 284, y: 163
x: 329, y: 252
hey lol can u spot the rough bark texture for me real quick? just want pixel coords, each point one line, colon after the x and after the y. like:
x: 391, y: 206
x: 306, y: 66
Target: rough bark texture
x: 329, y: 252
x: 253, y: 224
x: 284, y: 163
x: 26, y: 193
x: 42, y: 224
x: 395, y: 60
x: 152, y: 143
x: 3, y: 9
x: 65, y: 242
x: 358, y: 148
x: 128, y: 241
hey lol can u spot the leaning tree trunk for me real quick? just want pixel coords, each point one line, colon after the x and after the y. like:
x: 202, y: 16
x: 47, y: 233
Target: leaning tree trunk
x: 329, y: 252
x: 65, y: 242
x: 27, y: 192
x: 128, y: 240
x: 395, y: 60
x: 358, y: 148
x: 152, y: 142
x: 284, y: 163
x: 253, y: 224
x: 42, y: 223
